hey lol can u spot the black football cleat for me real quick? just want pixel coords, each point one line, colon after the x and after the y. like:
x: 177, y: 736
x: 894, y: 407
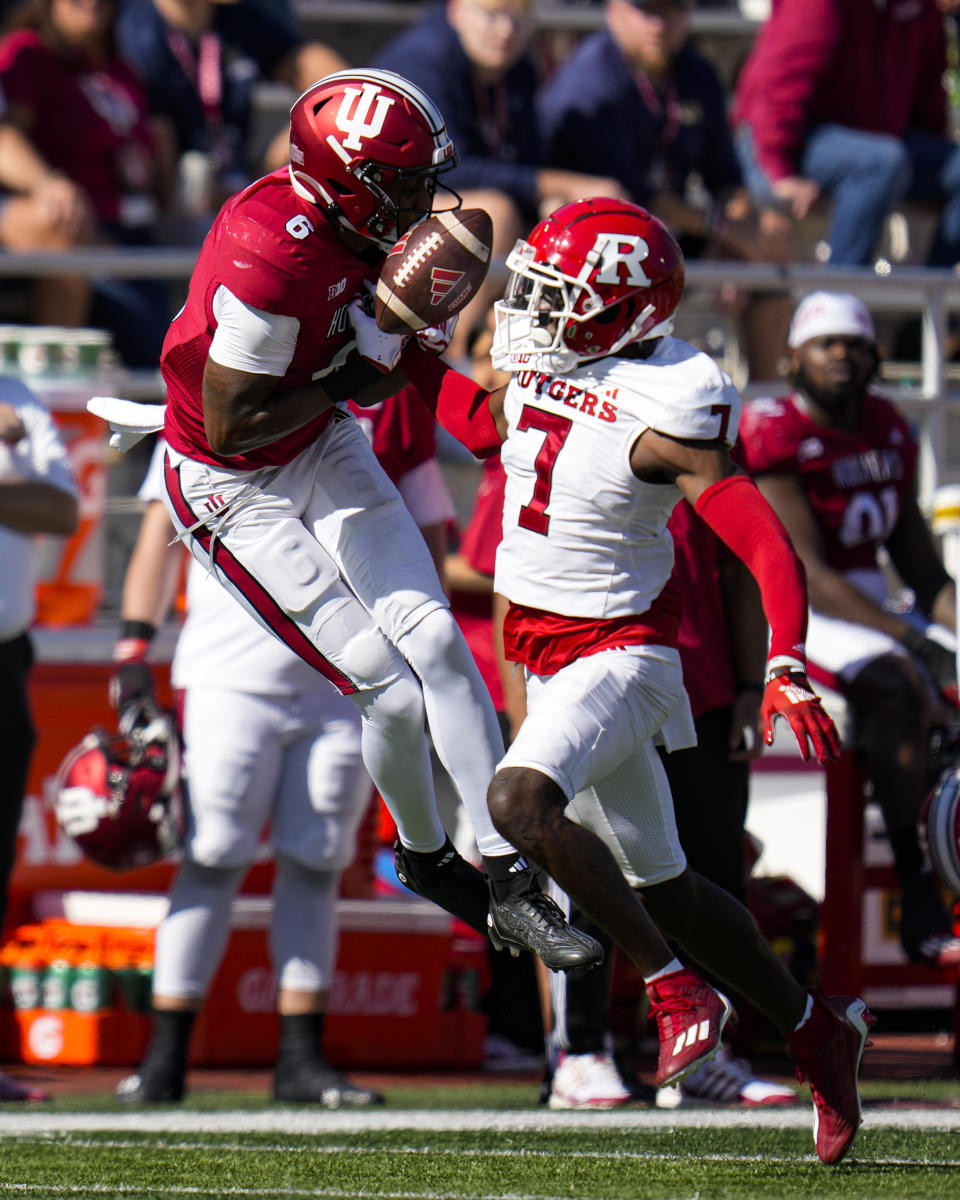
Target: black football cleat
x: 531, y: 921
x: 148, y: 1088
x: 318, y: 1083
x: 448, y: 880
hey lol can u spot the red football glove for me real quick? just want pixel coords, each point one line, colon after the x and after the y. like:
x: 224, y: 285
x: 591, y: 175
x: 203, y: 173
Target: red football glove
x: 131, y: 681
x: 787, y: 693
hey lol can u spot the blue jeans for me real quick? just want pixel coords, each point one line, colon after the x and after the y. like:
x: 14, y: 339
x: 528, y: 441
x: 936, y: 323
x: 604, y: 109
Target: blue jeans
x: 866, y: 175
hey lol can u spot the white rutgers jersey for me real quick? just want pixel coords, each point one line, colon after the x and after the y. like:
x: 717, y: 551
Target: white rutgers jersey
x: 582, y: 536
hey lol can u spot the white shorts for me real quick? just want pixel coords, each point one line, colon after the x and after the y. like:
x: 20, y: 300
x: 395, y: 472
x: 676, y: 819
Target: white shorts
x: 592, y: 729
x: 844, y: 649
x: 321, y: 551
x: 291, y: 760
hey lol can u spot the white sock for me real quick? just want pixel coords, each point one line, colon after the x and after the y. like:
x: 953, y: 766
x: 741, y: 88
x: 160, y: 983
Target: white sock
x: 461, y: 717
x: 671, y: 968
x: 806, y: 1014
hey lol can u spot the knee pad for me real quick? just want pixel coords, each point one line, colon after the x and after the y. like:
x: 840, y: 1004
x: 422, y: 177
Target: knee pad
x: 435, y: 642
x: 397, y: 705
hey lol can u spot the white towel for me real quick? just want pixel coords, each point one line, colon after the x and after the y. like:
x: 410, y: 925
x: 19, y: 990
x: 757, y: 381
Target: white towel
x: 129, y: 420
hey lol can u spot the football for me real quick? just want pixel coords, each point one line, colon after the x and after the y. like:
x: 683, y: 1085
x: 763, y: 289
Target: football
x: 434, y: 270
x: 942, y: 821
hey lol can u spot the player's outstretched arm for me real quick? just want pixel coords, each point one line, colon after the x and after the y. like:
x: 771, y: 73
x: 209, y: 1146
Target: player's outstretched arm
x: 734, y: 509
x: 470, y: 413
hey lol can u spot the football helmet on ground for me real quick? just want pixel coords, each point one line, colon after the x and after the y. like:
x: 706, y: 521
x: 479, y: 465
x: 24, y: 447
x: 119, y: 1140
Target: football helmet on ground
x: 593, y: 277
x: 120, y: 796
x: 368, y: 147
x: 941, y: 819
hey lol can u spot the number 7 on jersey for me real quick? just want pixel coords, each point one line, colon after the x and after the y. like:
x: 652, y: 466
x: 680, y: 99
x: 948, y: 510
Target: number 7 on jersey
x: 533, y: 516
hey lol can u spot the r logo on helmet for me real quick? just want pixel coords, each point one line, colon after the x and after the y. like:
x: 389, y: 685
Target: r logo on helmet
x: 616, y: 249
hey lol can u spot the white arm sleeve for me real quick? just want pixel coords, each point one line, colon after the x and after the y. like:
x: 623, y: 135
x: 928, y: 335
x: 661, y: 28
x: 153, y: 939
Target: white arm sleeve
x: 249, y: 339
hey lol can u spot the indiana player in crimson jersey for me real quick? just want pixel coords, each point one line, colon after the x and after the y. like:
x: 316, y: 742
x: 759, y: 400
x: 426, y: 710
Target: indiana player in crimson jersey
x: 838, y: 464
x: 267, y: 741
x: 278, y: 492
x: 608, y: 421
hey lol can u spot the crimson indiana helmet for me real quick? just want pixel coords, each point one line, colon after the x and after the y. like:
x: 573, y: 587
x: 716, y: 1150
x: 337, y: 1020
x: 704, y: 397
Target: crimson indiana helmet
x: 941, y: 820
x: 120, y: 796
x: 356, y: 134
x: 591, y: 278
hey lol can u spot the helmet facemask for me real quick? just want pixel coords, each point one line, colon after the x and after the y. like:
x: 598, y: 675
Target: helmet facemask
x: 544, y: 309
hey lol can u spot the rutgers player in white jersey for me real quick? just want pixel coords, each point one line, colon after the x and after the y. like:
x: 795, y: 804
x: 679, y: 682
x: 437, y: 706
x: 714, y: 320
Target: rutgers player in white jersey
x: 837, y: 462
x: 277, y: 492
x: 608, y: 421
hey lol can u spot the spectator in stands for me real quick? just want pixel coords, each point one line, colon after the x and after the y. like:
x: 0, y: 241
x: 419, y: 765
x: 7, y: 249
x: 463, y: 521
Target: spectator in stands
x: 471, y: 57
x: 88, y: 166
x: 637, y: 102
x: 200, y: 61
x: 847, y: 100
x: 37, y: 496
x: 267, y: 738
x: 838, y: 464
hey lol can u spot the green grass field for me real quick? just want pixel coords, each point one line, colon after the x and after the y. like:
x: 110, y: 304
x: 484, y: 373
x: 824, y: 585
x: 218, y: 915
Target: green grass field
x: 489, y: 1142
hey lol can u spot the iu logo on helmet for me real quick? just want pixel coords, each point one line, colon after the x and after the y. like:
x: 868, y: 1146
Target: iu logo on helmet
x: 621, y: 249
x: 361, y: 114
x: 442, y: 283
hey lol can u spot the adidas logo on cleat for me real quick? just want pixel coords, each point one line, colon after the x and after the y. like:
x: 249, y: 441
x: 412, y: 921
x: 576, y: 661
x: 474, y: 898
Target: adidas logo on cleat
x: 696, y: 1033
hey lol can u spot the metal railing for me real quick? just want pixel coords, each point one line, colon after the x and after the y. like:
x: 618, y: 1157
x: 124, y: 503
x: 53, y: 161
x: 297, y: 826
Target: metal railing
x: 930, y: 293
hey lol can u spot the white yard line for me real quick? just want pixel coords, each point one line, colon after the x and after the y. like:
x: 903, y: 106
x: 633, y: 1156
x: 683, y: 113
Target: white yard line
x: 286, y: 1121
x: 300, y: 1148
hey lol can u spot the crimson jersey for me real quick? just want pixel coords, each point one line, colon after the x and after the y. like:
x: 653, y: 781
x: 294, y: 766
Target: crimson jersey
x: 401, y: 429
x: 276, y: 252
x: 855, y: 481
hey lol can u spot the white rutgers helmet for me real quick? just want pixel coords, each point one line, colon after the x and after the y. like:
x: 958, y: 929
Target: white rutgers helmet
x: 942, y: 822
x: 120, y: 796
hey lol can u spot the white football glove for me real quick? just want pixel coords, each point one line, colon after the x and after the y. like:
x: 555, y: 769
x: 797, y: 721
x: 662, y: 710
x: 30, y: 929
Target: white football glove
x: 436, y: 338
x: 381, y: 349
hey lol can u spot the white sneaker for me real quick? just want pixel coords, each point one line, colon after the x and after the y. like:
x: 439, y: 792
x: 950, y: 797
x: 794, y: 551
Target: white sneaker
x: 729, y: 1080
x: 587, y: 1081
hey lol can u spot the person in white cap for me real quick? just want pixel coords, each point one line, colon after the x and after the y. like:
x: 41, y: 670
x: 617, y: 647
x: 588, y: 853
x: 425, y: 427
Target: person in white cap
x: 838, y: 462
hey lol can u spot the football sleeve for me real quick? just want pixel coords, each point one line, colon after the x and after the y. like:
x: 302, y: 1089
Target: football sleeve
x: 739, y: 515
x: 460, y: 405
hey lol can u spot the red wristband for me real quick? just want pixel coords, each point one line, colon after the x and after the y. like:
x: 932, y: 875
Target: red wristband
x: 130, y: 649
